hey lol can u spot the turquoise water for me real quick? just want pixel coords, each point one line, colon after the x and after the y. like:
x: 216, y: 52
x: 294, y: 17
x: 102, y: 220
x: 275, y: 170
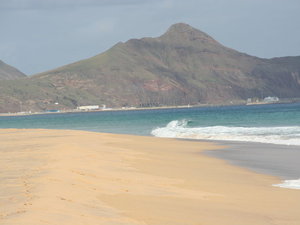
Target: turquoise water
x: 278, y: 123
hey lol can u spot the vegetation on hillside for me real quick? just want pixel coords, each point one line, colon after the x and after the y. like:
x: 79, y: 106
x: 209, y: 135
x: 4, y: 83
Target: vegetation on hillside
x: 183, y: 66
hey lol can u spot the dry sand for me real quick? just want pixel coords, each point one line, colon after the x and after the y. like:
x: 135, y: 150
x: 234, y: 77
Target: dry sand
x: 63, y: 177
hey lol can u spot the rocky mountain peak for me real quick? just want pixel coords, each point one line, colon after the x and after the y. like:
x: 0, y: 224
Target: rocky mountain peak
x: 183, y: 32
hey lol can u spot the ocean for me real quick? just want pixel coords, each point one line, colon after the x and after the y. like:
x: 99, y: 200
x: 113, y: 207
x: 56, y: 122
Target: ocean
x: 277, y: 124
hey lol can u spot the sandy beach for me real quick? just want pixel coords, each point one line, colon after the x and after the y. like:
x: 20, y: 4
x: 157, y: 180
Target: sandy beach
x: 78, y: 177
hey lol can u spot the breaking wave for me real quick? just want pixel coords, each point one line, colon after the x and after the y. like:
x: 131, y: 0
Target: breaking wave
x: 289, y: 135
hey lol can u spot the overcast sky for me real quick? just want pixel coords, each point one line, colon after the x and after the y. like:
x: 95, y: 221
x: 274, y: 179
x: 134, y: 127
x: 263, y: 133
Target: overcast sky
x: 39, y: 35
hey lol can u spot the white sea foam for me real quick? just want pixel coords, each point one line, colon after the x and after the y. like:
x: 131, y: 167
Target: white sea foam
x: 274, y: 135
x: 292, y: 184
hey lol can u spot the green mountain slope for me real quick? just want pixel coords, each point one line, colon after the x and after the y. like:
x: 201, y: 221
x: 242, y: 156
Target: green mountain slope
x: 8, y: 72
x: 183, y: 66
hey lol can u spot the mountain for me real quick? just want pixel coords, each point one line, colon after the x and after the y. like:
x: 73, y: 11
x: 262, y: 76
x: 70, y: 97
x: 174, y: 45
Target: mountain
x: 183, y: 66
x: 8, y: 72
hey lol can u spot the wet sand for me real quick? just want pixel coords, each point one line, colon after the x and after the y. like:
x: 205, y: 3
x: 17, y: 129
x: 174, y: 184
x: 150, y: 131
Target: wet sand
x: 77, y: 177
x: 279, y: 160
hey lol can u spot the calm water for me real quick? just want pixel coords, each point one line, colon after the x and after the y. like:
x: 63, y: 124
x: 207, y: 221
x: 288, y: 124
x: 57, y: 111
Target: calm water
x: 278, y: 124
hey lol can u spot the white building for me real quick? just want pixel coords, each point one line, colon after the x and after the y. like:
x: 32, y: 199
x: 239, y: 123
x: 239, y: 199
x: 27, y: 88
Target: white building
x: 271, y: 99
x: 88, y: 107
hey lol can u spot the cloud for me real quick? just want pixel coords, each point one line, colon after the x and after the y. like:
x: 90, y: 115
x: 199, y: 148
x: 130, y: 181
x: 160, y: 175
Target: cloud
x: 167, y: 4
x: 57, y: 4
x: 37, y: 35
x: 95, y: 28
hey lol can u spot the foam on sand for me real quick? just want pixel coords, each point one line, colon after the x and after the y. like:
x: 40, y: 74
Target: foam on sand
x: 292, y: 184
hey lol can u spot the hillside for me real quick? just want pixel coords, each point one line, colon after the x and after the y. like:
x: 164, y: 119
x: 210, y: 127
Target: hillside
x: 8, y: 72
x: 183, y: 66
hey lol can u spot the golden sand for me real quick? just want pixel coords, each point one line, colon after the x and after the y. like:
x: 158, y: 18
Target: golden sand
x: 63, y: 177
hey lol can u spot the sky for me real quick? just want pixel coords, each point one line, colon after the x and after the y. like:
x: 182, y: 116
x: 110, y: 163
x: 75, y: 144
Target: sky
x: 40, y: 35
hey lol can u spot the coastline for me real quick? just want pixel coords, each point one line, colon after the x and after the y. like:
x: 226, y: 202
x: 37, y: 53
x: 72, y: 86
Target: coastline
x: 144, y: 108
x: 106, y: 110
x: 80, y: 177
x: 237, y: 103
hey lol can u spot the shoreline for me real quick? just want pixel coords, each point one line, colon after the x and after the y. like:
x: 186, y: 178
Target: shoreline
x: 114, y: 110
x: 80, y: 177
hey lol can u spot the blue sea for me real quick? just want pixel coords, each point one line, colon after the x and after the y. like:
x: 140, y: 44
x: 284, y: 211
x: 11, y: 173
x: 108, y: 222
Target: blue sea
x: 276, y: 123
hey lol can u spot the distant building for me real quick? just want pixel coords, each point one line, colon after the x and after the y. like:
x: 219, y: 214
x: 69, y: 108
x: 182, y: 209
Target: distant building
x: 52, y: 110
x: 88, y: 107
x: 271, y: 99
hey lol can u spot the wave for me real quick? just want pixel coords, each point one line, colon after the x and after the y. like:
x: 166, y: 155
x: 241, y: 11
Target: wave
x: 289, y: 135
x: 292, y: 184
